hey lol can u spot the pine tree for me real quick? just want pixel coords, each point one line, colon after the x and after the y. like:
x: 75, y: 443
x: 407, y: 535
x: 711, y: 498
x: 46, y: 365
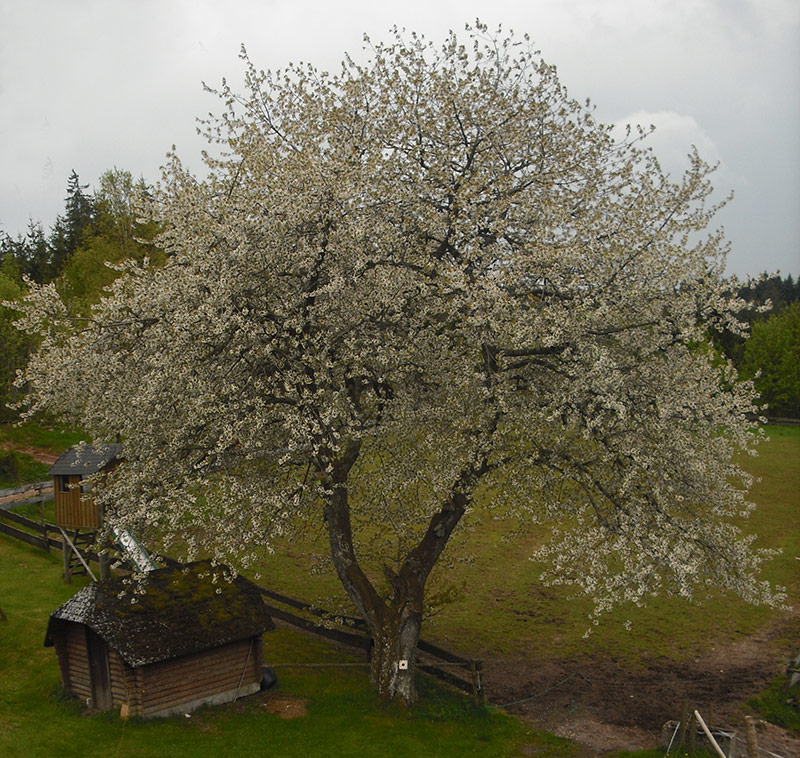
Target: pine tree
x: 69, y: 229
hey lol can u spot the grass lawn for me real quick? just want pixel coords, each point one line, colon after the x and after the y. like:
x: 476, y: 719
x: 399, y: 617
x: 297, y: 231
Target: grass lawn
x: 500, y: 608
x: 497, y: 608
x: 53, y: 439
x: 343, y: 717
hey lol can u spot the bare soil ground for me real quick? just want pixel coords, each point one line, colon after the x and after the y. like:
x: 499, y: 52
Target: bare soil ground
x: 285, y: 706
x: 606, y: 706
x: 43, y: 456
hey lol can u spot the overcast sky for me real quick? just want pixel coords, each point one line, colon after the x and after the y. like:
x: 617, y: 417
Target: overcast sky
x: 95, y: 84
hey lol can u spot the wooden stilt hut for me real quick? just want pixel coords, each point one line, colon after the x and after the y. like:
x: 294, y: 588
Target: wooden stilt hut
x: 77, y: 514
x: 180, y: 640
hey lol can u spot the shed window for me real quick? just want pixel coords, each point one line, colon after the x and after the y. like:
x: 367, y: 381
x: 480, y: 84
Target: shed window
x: 63, y: 482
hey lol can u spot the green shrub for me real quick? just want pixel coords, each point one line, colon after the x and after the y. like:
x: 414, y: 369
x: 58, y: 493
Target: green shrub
x: 9, y: 468
x: 779, y: 706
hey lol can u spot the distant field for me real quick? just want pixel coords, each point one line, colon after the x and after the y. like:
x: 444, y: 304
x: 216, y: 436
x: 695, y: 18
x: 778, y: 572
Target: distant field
x: 498, y: 606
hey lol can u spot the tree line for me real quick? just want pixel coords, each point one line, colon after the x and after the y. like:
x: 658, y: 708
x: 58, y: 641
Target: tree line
x: 771, y: 354
x: 97, y: 228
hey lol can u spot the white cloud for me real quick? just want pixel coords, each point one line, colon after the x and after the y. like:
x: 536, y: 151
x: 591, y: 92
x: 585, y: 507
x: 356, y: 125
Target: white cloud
x: 673, y: 138
x: 91, y: 84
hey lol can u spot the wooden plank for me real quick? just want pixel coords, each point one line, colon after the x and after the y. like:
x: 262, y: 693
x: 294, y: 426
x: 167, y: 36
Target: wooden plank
x: 201, y: 672
x: 300, y: 605
x: 709, y: 735
x: 346, y: 638
x: 116, y: 667
x: 27, y: 537
x: 197, y: 676
x: 37, y: 527
x: 161, y: 697
x: 8, y: 505
x: 101, y: 674
x: 440, y: 652
x: 78, y: 661
x: 79, y: 555
x: 21, y: 520
x: 25, y: 487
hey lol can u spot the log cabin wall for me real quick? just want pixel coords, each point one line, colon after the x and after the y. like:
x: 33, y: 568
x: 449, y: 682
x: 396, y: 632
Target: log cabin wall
x: 216, y: 675
x: 158, y: 689
x: 73, y: 660
x: 123, y: 684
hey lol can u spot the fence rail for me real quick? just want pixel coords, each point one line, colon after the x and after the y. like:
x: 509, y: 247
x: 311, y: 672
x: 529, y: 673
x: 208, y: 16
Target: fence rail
x: 14, y: 497
x: 353, y: 633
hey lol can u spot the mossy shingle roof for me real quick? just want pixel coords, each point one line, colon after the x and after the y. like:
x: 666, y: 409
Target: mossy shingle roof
x: 177, y: 611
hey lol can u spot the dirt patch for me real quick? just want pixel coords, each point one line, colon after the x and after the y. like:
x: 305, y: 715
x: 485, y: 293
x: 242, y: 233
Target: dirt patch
x: 776, y: 740
x: 286, y: 706
x: 43, y: 456
x: 606, y: 705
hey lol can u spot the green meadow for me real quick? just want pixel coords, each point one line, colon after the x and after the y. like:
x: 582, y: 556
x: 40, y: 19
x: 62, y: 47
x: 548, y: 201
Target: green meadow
x: 495, y: 607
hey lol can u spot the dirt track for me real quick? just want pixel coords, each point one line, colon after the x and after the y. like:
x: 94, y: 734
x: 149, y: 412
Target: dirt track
x: 43, y: 456
x: 606, y: 706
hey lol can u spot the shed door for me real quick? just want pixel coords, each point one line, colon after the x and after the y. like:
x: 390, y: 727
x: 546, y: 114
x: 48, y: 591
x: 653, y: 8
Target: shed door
x: 98, y: 665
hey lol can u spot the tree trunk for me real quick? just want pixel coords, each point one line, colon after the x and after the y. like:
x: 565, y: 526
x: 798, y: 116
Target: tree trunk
x: 393, y: 664
x: 394, y: 622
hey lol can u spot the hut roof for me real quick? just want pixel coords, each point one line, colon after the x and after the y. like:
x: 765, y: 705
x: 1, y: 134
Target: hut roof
x: 179, y: 611
x: 85, y: 459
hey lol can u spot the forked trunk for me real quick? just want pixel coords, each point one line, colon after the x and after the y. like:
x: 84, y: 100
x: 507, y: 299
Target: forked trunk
x: 394, y: 623
x: 393, y: 664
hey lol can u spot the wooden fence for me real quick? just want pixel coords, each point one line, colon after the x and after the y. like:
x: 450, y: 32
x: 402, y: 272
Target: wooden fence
x: 36, y: 533
x: 435, y: 660
x: 462, y: 673
x: 25, y: 494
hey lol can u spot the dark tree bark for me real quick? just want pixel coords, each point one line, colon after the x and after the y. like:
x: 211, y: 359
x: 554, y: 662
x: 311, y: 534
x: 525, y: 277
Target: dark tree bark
x: 395, y: 622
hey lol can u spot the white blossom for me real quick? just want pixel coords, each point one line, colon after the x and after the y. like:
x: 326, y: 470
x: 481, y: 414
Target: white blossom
x: 429, y: 276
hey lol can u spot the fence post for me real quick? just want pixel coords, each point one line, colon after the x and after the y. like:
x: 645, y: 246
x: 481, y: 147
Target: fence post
x: 684, y: 722
x: 481, y: 688
x: 476, y: 669
x: 752, y: 742
x: 65, y: 552
x: 42, y: 518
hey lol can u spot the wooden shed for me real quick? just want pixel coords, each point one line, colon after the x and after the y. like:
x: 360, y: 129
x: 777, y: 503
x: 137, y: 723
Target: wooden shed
x: 74, y: 509
x: 185, y: 641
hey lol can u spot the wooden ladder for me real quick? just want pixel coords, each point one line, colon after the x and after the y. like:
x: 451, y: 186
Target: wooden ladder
x: 76, y: 553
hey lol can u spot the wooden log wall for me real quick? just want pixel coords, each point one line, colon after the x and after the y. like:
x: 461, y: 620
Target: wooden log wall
x: 168, y: 684
x: 73, y: 660
x: 122, y: 679
x: 74, y: 509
